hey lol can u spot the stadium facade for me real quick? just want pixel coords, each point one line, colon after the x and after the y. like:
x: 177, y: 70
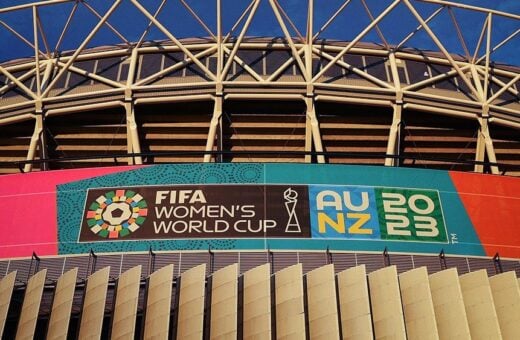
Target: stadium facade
x: 308, y: 184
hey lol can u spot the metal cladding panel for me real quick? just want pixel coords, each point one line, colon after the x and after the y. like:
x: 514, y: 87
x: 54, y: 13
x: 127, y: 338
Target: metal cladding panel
x: 416, y: 297
x: 385, y: 299
x: 6, y: 291
x: 191, y: 303
x: 224, y: 300
x: 127, y: 297
x: 62, y: 305
x: 290, y: 313
x: 480, y: 308
x: 94, y: 305
x: 506, y: 296
x: 257, y: 303
x: 448, y: 304
x: 322, y: 303
x: 31, y: 306
x: 158, y: 303
x: 354, y: 302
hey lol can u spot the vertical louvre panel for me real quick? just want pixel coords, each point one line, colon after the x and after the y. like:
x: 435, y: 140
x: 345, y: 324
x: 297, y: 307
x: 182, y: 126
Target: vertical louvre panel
x: 157, y: 319
x: 354, y: 304
x: 386, y: 304
x: 417, y: 305
x: 6, y: 291
x: 449, y: 305
x: 480, y: 308
x: 322, y: 304
x: 224, y: 299
x: 191, y: 303
x: 125, y: 312
x: 94, y: 305
x: 31, y: 306
x: 62, y: 305
x: 506, y: 296
x: 257, y: 303
x: 290, y: 316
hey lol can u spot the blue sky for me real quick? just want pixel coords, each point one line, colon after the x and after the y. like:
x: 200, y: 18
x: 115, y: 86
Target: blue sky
x: 174, y: 16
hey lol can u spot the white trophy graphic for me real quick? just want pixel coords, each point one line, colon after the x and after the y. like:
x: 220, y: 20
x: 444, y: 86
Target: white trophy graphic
x: 291, y: 199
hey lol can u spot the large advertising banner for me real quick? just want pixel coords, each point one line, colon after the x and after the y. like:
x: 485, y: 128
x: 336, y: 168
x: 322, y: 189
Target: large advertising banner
x: 257, y: 207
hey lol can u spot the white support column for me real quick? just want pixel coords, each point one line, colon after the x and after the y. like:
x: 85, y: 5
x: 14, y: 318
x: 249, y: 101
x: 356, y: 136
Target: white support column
x: 132, y: 133
x: 485, y: 143
x: 33, y: 145
x: 216, y: 121
x: 394, y: 136
x: 312, y: 123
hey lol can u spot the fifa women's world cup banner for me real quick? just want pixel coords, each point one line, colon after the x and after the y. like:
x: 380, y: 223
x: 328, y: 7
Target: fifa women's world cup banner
x: 257, y: 211
x: 258, y: 207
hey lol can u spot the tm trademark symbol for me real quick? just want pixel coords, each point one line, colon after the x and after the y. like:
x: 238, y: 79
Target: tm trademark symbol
x: 454, y: 238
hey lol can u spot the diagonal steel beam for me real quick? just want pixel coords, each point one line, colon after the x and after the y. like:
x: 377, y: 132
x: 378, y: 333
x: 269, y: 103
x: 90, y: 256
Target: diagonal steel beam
x: 150, y: 24
x: 503, y: 89
x: 331, y: 19
x: 112, y: 28
x: 284, y: 66
x: 181, y: 64
x: 436, y: 79
x: 173, y: 39
x: 21, y: 37
x: 442, y: 49
x: 459, y: 33
x: 244, y: 65
x: 18, y: 83
x: 81, y: 47
x: 356, y: 70
x: 356, y: 39
x: 502, y: 43
x: 199, y: 20
x: 231, y: 57
x: 36, y: 49
x: 22, y: 78
x: 299, y: 62
x: 65, y: 28
x: 418, y: 28
x: 378, y: 30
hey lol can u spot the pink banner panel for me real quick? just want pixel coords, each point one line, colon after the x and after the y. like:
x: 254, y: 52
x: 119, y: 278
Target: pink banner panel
x: 28, y: 209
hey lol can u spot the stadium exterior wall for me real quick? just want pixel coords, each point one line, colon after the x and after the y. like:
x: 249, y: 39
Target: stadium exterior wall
x: 259, y: 206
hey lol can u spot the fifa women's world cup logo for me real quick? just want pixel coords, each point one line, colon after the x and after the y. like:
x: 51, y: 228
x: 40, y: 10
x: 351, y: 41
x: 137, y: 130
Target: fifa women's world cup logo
x: 291, y: 200
x: 117, y: 214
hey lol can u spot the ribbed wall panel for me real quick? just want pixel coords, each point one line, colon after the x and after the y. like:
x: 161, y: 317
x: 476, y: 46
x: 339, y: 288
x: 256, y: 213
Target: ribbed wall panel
x: 480, y: 308
x: 354, y: 301
x: 449, y: 305
x: 127, y: 297
x: 322, y: 304
x: 506, y: 296
x: 385, y: 299
x: 224, y: 299
x: 158, y: 302
x: 62, y: 305
x: 190, y: 319
x: 31, y: 306
x: 257, y: 303
x: 6, y: 291
x: 94, y: 305
x: 416, y: 298
x: 290, y: 313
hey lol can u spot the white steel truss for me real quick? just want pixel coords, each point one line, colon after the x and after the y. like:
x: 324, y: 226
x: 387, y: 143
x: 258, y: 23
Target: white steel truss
x: 475, y: 70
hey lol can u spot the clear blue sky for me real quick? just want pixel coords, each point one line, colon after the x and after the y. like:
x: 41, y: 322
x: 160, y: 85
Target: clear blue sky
x: 132, y: 23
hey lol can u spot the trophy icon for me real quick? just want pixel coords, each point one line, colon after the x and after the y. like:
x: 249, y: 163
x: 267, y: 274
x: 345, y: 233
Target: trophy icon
x: 291, y: 199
